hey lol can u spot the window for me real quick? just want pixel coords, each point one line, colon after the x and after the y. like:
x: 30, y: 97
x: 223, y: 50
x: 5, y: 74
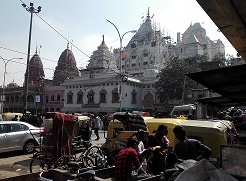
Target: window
x: 17, y: 99
x: 12, y: 99
x: 133, y: 45
x: 91, y: 75
x: 153, y: 44
x: 134, y: 57
x: 14, y: 127
x: 52, y: 97
x: 3, y: 128
x: 103, y: 94
x: 80, y: 97
x: 145, y: 63
x: 47, y: 99
x: 134, y: 97
x: 58, y: 98
x: 133, y: 64
x: 70, y: 98
x: 115, y: 96
x: 7, y: 99
x: 145, y: 54
x: 103, y: 98
x: 91, y: 97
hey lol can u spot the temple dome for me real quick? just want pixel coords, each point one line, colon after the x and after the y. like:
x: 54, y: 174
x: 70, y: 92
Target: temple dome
x: 36, y: 71
x: 12, y: 85
x: 66, y: 68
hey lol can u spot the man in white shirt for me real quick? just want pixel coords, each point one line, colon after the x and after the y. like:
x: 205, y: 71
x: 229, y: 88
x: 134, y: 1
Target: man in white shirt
x: 97, y: 125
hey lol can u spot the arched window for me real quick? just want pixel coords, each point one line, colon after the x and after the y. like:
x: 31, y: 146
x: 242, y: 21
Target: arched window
x: 30, y: 98
x: 17, y: 99
x: 134, y: 97
x: 115, y: 96
x: 47, y: 98
x: 52, y: 97
x: 70, y: 98
x: 90, y: 96
x: 133, y: 45
x: 80, y: 97
x: 58, y: 98
x: 103, y: 94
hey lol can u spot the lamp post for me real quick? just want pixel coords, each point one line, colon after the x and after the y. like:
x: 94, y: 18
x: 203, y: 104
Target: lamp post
x: 122, y: 74
x: 5, y: 61
x: 31, y: 10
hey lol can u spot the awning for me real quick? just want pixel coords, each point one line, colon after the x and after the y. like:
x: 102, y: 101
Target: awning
x: 229, y: 82
x: 219, y: 101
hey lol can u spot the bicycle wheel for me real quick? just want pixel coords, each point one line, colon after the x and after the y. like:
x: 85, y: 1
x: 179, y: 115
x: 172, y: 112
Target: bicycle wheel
x: 40, y: 163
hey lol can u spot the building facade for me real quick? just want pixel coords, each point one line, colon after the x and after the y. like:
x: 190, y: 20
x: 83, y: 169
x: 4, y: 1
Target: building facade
x: 194, y: 41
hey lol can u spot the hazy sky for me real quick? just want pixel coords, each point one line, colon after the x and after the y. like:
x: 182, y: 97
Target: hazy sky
x: 83, y: 22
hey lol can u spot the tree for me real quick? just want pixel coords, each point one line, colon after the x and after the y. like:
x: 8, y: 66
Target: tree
x: 171, y: 79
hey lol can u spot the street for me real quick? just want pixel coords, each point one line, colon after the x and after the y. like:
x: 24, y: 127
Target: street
x: 17, y: 163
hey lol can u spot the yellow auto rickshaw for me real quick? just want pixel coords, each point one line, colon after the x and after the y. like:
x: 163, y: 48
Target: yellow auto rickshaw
x: 10, y: 115
x: 211, y: 133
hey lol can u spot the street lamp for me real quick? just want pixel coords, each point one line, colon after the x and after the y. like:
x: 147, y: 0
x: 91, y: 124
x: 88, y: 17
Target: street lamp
x: 122, y: 74
x: 6, y: 61
x: 31, y: 10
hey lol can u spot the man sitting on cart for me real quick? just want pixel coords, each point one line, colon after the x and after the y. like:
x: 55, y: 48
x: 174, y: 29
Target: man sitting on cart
x: 127, y: 161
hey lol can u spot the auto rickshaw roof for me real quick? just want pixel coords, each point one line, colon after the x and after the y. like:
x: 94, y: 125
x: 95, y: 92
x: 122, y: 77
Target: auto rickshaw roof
x: 229, y: 82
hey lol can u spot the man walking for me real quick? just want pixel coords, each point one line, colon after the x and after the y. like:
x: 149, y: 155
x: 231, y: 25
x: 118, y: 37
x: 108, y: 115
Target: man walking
x: 97, y: 124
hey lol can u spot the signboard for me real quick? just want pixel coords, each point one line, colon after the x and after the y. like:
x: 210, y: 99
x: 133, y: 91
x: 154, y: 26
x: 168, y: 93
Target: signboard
x: 37, y: 98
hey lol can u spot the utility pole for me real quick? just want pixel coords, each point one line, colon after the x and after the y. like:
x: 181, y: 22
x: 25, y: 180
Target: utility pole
x: 31, y: 10
x: 5, y: 61
x: 122, y: 74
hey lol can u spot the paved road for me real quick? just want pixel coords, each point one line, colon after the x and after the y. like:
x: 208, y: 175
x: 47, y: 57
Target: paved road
x: 16, y: 163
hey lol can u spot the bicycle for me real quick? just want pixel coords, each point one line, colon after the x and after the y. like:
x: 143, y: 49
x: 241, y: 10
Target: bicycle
x: 89, y: 156
x: 42, y: 160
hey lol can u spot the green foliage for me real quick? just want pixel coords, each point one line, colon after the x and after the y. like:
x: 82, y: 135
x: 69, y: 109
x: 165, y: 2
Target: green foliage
x: 171, y: 80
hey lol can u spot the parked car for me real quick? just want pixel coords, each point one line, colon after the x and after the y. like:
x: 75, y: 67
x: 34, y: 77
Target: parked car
x: 17, y: 135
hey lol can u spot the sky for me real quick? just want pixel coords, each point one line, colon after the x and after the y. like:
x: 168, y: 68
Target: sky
x: 83, y: 23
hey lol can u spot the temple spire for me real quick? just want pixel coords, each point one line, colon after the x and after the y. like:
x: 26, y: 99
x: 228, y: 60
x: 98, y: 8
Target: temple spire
x: 103, y: 43
x: 148, y: 16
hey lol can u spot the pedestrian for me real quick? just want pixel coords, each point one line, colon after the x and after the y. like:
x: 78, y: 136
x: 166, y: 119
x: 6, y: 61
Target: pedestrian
x: 189, y: 148
x: 159, y: 144
x: 15, y: 118
x: 128, y: 161
x: 97, y: 124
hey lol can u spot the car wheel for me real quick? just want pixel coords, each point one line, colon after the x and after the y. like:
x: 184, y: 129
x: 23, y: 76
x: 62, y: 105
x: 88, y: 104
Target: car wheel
x: 29, y: 146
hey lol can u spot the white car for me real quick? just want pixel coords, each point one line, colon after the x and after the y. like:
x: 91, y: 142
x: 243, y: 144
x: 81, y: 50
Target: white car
x: 17, y: 135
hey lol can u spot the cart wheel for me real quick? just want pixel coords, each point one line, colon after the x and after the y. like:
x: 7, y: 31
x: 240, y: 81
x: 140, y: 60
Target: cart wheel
x: 39, y: 163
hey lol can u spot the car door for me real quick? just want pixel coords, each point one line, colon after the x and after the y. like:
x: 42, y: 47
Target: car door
x: 18, y: 134
x: 4, y: 138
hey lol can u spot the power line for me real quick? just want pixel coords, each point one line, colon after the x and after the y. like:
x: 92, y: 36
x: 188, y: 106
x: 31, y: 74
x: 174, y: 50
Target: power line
x: 61, y: 35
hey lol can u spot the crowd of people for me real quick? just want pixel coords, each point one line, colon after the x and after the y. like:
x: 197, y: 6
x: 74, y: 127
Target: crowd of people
x: 151, y: 155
